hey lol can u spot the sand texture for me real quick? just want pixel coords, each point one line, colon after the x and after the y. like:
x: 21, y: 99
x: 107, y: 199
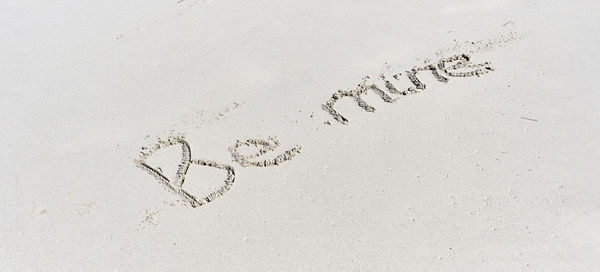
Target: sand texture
x: 217, y: 135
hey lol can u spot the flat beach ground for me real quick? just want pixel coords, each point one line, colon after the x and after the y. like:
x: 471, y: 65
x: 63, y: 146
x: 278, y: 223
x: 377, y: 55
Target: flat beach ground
x: 497, y: 170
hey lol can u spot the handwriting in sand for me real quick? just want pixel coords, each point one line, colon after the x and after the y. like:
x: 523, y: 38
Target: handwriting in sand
x: 455, y: 66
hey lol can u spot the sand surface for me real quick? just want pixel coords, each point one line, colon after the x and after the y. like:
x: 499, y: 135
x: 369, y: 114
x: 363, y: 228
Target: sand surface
x: 191, y: 135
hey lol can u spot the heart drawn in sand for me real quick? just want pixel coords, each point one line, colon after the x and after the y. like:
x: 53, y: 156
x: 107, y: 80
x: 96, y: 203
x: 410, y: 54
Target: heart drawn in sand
x: 182, y: 168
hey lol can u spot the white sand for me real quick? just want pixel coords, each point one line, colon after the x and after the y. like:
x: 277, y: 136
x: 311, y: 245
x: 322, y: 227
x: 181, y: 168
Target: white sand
x: 491, y: 173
